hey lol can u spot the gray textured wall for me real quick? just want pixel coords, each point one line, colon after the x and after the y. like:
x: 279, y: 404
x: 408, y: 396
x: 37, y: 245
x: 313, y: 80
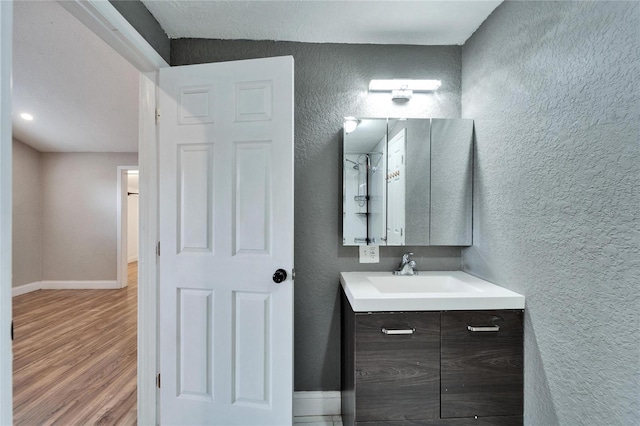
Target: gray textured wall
x: 146, y: 24
x: 79, y: 214
x: 27, y: 215
x: 553, y: 88
x: 331, y: 81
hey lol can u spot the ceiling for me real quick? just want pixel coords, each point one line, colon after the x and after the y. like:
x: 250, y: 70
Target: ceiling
x: 379, y: 22
x: 366, y: 136
x: 84, y: 96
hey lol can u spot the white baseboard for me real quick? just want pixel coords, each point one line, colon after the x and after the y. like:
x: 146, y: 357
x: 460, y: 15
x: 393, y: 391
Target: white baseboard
x: 132, y: 259
x: 25, y: 288
x: 78, y: 285
x: 63, y: 285
x: 316, y: 403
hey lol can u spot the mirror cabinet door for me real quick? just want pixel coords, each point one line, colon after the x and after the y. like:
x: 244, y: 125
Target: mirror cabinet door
x: 451, y: 182
x: 414, y: 174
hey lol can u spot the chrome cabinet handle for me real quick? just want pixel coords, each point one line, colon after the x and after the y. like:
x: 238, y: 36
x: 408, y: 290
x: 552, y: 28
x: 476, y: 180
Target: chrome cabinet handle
x: 484, y: 328
x: 398, y: 331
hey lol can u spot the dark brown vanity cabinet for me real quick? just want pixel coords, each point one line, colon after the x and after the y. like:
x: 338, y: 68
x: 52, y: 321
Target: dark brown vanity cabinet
x: 397, y: 375
x: 481, y: 370
x: 430, y: 368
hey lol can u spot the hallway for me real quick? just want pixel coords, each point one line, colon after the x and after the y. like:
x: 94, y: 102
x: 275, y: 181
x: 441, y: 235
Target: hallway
x: 75, y: 355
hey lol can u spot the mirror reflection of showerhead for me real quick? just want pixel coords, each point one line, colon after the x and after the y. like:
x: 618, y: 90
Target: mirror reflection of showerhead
x: 356, y: 166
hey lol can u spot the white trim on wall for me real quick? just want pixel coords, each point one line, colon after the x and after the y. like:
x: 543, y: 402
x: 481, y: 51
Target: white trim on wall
x: 25, y: 288
x: 317, y: 403
x: 79, y: 285
x: 108, y: 24
x: 64, y: 285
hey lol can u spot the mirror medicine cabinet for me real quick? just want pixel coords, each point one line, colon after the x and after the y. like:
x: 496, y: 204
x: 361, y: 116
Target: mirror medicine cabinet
x: 407, y: 182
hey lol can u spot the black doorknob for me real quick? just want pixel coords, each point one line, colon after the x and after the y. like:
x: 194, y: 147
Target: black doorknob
x: 279, y: 276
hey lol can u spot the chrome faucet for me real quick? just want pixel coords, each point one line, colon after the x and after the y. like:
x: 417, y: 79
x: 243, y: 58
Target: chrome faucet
x: 407, y: 266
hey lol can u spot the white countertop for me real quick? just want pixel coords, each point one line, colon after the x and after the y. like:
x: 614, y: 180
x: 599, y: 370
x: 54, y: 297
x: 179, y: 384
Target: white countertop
x: 428, y: 291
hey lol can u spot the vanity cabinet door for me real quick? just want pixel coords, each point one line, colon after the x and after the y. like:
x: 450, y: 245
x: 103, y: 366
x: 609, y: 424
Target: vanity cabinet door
x: 481, y: 370
x: 397, y: 376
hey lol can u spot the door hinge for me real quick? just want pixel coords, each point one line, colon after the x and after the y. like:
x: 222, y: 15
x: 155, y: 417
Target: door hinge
x: 157, y: 116
x: 158, y: 380
x: 158, y: 249
x: 293, y: 274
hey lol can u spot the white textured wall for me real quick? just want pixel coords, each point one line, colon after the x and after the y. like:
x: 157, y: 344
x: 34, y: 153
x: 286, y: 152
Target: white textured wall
x: 27, y: 215
x: 79, y: 214
x: 554, y: 91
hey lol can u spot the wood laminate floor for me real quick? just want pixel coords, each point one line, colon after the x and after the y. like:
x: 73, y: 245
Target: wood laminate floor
x: 74, y: 356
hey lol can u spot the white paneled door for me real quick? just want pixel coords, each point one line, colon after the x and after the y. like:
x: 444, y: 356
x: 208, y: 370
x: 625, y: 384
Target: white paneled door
x: 226, y: 227
x: 396, y: 182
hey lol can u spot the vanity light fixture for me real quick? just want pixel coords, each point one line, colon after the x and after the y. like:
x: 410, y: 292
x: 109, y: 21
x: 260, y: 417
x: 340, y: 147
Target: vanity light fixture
x: 401, y: 95
x: 350, y: 124
x: 402, y: 88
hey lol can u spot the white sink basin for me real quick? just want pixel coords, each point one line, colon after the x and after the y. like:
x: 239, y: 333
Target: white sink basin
x: 429, y: 291
x: 440, y: 283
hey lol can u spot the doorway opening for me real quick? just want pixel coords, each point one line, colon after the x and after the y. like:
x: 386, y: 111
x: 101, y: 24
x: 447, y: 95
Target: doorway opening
x: 127, y: 221
x: 75, y: 342
x: 102, y: 19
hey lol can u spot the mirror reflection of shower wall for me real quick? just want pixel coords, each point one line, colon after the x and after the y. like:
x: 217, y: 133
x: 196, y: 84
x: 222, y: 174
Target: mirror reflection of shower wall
x: 364, y: 212
x: 364, y: 184
x: 355, y: 203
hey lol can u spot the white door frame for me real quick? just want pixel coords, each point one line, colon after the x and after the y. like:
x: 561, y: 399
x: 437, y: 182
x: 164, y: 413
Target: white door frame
x: 148, y: 236
x: 122, y: 224
x: 6, y: 383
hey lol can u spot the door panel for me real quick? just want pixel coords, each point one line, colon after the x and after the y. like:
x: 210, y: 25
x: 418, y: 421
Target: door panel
x: 194, y: 346
x: 195, y: 168
x: 254, y: 101
x: 226, y: 209
x: 252, y: 197
x: 252, y: 345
